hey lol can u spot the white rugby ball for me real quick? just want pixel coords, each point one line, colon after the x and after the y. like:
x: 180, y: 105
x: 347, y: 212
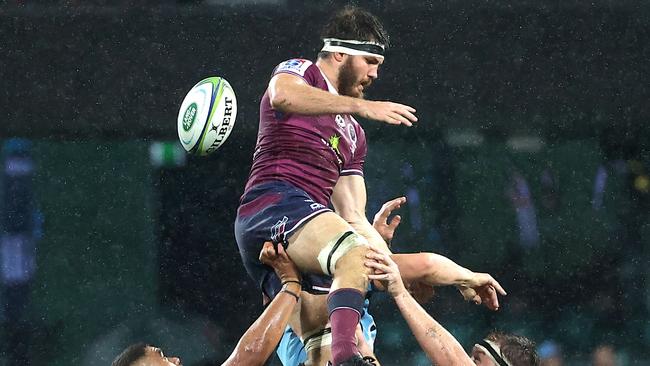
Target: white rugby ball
x: 207, y: 116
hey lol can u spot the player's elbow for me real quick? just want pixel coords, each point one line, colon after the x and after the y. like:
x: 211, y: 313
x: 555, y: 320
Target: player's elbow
x: 427, y: 265
x: 280, y: 101
x: 284, y: 92
x: 280, y: 93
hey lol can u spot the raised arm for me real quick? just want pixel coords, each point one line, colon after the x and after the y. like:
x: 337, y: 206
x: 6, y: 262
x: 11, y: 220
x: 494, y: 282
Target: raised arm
x: 384, y: 225
x: 291, y: 94
x: 261, y: 338
x: 439, y: 345
x: 432, y: 269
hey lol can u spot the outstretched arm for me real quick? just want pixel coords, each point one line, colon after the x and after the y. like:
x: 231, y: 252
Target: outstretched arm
x: 291, y: 94
x: 430, y: 269
x: 437, y: 270
x: 261, y: 338
x: 439, y: 345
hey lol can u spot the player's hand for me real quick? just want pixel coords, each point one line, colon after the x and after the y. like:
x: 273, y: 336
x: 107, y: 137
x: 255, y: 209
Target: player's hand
x: 388, y: 112
x: 386, y: 228
x: 385, y: 270
x: 483, y: 289
x: 279, y: 260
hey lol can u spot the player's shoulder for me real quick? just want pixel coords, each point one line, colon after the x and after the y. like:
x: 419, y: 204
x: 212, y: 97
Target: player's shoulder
x: 298, y: 66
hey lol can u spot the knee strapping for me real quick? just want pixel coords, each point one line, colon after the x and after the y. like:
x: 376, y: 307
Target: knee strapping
x: 317, y: 339
x: 337, y: 248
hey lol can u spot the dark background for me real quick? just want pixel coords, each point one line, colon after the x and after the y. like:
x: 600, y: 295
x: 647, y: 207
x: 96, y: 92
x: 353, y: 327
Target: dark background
x: 136, y: 250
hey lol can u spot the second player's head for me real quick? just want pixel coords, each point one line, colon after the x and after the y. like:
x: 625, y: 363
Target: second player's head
x: 505, y: 349
x: 355, y: 41
x: 141, y: 354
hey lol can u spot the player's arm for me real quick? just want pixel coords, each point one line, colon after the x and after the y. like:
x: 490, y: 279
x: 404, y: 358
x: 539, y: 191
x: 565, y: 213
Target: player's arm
x: 436, y: 270
x: 349, y: 201
x: 261, y: 338
x: 430, y: 268
x: 292, y: 94
x: 439, y: 345
x: 382, y: 222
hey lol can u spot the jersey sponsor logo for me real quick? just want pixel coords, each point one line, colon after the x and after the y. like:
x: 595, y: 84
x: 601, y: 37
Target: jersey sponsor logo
x: 277, y: 231
x: 340, y: 121
x: 297, y: 66
x: 334, y: 143
x: 314, y: 205
x: 330, y: 143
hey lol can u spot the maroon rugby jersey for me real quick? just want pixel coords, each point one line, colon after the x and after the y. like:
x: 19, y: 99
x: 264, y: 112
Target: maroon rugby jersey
x: 310, y: 152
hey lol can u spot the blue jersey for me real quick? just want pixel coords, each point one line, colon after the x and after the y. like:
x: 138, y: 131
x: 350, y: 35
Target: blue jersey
x: 292, y: 352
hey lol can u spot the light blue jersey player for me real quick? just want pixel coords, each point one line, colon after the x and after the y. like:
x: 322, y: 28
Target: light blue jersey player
x: 292, y: 352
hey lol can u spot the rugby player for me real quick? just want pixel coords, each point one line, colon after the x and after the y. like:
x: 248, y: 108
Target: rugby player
x: 310, y: 152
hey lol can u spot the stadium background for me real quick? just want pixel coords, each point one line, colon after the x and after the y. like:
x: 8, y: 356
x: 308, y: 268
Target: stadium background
x: 137, y: 238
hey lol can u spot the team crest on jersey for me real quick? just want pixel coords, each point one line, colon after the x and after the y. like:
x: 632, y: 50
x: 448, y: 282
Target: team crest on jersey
x: 297, y: 66
x: 353, y: 134
x: 277, y: 231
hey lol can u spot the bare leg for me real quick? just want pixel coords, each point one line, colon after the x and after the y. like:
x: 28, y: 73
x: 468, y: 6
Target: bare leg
x: 345, y: 301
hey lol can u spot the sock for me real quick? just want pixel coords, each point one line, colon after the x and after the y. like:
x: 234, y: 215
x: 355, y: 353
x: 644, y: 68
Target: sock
x: 345, y: 306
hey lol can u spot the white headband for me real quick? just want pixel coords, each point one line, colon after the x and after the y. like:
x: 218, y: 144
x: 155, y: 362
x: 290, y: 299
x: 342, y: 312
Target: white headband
x: 352, y: 47
x: 493, y: 351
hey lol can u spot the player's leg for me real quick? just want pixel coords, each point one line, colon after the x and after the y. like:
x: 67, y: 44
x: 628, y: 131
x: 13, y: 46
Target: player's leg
x: 313, y: 328
x: 319, y: 241
x: 309, y: 340
x: 327, y: 244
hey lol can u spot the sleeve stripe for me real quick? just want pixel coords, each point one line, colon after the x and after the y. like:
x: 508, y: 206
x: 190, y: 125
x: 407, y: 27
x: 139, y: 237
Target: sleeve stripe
x: 290, y: 73
x: 351, y: 172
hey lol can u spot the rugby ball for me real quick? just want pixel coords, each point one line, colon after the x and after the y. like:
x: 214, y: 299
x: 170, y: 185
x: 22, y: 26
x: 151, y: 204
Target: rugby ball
x: 207, y: 116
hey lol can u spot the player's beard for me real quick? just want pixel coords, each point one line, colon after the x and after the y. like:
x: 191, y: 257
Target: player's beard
x: 348, y: 81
